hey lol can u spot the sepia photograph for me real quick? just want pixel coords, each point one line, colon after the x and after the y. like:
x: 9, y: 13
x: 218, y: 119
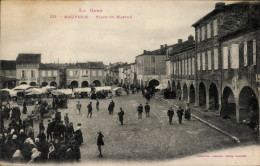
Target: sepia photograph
x: 129, y: 83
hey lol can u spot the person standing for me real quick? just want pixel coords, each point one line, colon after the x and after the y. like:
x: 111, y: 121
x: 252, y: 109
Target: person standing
x: 41, y: 127
x: 66, y: 119
x: 121, y: 115
x: 180, y: 113
x: 187, y: 112
x: 112, y: 107
x: 170, y: 113
x: 147, y: 110
x: 90, y: 109
x: 79, y: 106
x: 97, y: 105
x: 140, y: 111
x: 100, y: 143
x: 24, y: 108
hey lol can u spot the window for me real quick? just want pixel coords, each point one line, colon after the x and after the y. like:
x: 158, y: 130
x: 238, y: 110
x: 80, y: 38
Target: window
x: 76, y: 73
x: 153, y: 59
x: 234, y: 56
x: 71, y: 73
x: 215, y: 58
x: 215, y: 27
x: 203, y: 61
x: 225, y: 57
x: 254, y: 52
x: 209, y: 60
x: 175, y: 68
x: 245, y: 53
x: 198, y: 60
x: 202, y: 33
x: 100, y: 73
x: 55, y: 73
x: 208, y: 31
x: 49, y: 73
x: 193, y: 66
x: 179, y: 68
x: 198, y: 35
x: 183, y: 67
x: 23, y: 74
x: 190, y: 66
x: 43, y: 73
x: 32, y: 74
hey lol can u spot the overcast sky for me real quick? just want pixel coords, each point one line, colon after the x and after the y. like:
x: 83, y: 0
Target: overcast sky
x: 26, y: 27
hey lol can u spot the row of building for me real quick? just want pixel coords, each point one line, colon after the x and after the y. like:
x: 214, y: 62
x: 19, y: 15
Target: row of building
x: 219, y: 68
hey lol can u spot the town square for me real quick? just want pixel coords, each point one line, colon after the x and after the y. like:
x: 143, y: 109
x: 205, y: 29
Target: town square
x: 134, y: 83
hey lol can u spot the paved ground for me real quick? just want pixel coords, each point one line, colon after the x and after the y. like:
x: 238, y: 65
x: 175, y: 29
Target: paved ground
x: 139, y: 140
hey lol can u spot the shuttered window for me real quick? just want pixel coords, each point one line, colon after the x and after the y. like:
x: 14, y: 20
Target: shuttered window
x: 209, y: 60
x: 234, y: 56
x: 225, y: 57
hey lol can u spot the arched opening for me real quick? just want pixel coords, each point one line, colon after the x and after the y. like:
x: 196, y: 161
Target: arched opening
x: 192, y: 94
x: 84, y: 84
x: 74, y: 84
x: 23, y: 83
x: 185, y: 92
x: 228, y: 108
x: 248, y: 107
x: 97, y: 83
x: 153, y: 83
x: 202, y: 95
x: 213, y: 97
x: 178, y: 90
x: 33, y: 83
x: 44, y: 84
x: 53, y: 83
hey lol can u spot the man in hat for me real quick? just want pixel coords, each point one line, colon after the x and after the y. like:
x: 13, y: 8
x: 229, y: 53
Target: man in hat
x: 100, y: 143
x: 78, y: 135
x: 66, y: 119
x: 78, y: 106
x: 180, y: 113
x: 170, y: 113
x: 140, y: 111
x: 90, y: 109
x: 121, y: 115
x: 147, y: 110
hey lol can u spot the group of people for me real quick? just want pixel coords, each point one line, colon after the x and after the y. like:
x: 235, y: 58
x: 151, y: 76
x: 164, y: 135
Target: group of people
x: 140, y: 110
x: 180, y: 113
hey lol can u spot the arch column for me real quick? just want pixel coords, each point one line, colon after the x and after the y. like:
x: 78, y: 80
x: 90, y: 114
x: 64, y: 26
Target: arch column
x: 237, y: 107
x: 207, y: 98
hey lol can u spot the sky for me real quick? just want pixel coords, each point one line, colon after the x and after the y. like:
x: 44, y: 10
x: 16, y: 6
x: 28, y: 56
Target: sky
x: 27, y: 27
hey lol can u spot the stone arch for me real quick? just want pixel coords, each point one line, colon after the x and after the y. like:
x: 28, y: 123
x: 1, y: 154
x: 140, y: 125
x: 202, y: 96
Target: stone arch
x: 53, y: 83
x: 228, y: 104
x: 74, y: 84
x: 248, y: 106
x: 32, y: 84
x: 185, y: 92
x: 97, y: 83
x: 23, y: 83
x: 169, y: 84
x: 202, y: 95
x: 173, y: 84
x: 213, y: 97
x: 153, y: 83
x: 192, y: 94
x: 84, y: 84
x: 44, y: 84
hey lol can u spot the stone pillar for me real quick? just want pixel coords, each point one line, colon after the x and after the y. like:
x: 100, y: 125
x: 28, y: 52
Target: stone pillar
x: 196, y: 96
x: 237, y: 107
x: 207, y: 98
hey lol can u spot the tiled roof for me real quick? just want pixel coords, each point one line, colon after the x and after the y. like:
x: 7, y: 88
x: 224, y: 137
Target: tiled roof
x: 7, y: 65
x: 87, y: 65
x: 49, y: 66
x: 28, y: 58
x: 182, y: 47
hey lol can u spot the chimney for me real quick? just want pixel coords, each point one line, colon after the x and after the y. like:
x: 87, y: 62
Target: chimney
x: 219, y: 5
x: 165, y: 46
x: 179, y: 41
x: 144, y: 51
x: 161, y: 47
x: 190, y: 38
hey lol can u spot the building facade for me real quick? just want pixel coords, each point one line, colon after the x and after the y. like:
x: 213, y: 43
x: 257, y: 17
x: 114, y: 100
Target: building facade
x: 7, y: 74
x: 181, y: 56
x: 151, y: 67
x: 85, y: 74
x: 49, y: 75
x: 27, y: 69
